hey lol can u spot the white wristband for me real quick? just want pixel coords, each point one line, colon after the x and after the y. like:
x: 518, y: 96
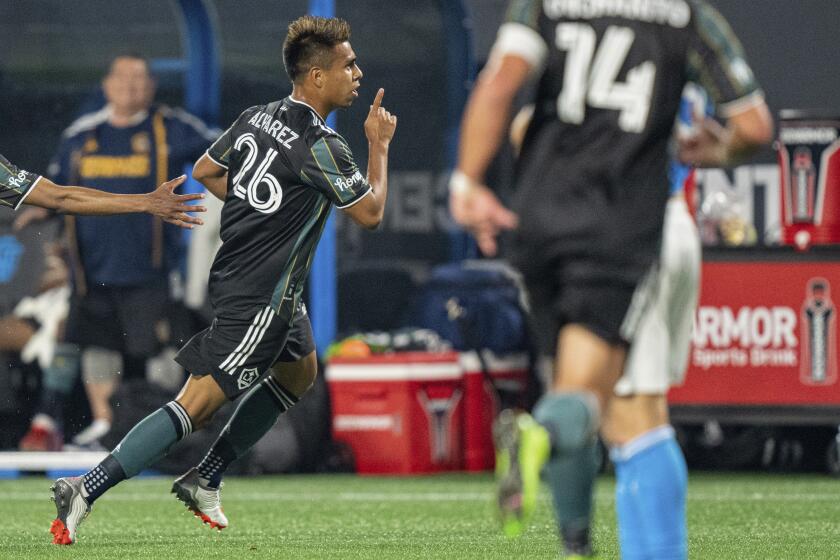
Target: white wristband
x: 459, y: 183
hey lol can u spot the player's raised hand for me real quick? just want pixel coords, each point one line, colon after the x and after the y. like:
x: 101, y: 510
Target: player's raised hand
x: 380, y: 124
x: 173, y: 208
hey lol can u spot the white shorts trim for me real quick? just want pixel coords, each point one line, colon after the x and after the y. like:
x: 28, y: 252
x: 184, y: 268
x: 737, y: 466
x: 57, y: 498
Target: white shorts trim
x: 659, y: 349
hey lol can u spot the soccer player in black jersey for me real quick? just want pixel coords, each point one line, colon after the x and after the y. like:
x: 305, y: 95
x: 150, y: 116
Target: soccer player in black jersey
x: 18, y: 186
x: 587, y: 218
x: 279, y: 169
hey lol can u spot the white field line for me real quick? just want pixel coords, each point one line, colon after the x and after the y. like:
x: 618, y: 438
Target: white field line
x: 418, y: 497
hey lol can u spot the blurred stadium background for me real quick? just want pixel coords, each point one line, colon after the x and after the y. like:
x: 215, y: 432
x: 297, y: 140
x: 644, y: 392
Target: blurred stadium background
x: 217, y: 57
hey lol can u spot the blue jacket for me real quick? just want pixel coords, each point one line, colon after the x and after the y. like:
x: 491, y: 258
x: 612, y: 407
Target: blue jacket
x: 130, y: 249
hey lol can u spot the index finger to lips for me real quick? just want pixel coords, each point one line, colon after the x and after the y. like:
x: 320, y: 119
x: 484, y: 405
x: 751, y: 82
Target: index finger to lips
x: 377, y: 101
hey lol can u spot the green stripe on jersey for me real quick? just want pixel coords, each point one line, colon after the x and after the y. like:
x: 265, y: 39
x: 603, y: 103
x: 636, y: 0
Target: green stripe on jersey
x: 305, y: 244
x: 326, y: 163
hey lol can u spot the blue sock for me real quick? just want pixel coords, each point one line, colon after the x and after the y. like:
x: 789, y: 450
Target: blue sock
x: 651, y: 485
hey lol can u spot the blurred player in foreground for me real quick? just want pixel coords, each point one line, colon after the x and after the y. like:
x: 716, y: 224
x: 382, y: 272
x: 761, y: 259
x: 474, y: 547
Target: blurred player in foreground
x: 589, y: 210
x: 280, y: 169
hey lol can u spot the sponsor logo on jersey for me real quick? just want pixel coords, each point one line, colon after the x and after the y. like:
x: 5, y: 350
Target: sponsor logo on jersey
x: 91, y: 146
x: 18, y: 181
x: 247, y: 377
x: 347, y: 183
x: 141, y: 143
x: 108, y: 167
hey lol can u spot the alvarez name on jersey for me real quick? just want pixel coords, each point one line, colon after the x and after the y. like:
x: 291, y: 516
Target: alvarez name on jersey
x: 286, y: 169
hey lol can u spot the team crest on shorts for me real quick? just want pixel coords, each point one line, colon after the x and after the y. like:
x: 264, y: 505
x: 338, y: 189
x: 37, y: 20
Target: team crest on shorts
x: 247, y: 377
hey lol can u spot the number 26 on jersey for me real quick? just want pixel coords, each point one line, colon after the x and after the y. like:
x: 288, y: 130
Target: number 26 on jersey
x: 261, y: 177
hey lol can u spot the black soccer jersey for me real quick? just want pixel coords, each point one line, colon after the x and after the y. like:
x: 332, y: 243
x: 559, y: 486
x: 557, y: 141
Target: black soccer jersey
x: 15, y: 183
x: 286, y: 169
x: 611, y: 76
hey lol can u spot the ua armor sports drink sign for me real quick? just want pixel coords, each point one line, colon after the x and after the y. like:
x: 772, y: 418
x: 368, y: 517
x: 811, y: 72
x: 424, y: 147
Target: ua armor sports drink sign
x: 809, y: 164
x: 764, y: 333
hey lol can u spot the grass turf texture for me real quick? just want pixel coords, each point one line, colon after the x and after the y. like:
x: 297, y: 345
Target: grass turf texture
x: 346, y: 517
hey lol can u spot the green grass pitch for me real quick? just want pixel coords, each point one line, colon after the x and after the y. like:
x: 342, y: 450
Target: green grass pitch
x: 739, y: 517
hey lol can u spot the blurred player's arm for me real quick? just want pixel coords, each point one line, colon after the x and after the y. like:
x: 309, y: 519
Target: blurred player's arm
x: 18, y: 186
x: 716, y: 61
x: 487, y: 114
x: 519, y: 51
x: 716, y: 145
x: 380, y: 126
x: 212, y: 175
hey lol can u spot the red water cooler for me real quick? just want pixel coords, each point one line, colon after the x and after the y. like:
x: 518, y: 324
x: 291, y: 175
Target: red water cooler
x: 809, y: 162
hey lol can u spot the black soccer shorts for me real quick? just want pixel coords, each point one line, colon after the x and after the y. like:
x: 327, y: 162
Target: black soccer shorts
x: 238, y: 352
x: 606, y: 295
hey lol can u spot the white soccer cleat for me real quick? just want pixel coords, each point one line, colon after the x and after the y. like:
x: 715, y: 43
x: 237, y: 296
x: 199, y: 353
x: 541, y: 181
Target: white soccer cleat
x: 88, y: 439
x: 205, y: 503
x: 71, y: 509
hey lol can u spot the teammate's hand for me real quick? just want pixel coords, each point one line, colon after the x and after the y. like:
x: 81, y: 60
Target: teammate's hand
x: 173, y: 208
x: 708, y: 146
x: 477, y: 209
x: 380, y: 124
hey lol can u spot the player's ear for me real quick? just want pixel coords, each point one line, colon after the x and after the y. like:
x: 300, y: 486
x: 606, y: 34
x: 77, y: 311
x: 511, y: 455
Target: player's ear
x: 317, y: 76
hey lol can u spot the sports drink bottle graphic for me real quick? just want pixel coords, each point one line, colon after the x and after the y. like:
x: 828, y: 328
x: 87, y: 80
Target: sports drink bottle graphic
x: 819, y: 353
x: 804, y: 176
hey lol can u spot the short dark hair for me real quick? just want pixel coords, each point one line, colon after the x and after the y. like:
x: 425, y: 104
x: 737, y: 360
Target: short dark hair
x: 310, y: 41
x: 133, y: 55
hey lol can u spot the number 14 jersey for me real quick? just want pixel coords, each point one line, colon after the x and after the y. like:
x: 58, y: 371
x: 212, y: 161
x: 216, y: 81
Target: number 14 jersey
x: 286, y: 169
x: 611, y: 74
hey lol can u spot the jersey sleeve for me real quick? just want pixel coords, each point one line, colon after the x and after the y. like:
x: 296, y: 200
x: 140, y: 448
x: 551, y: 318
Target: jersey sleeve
x: 330, y: 168
x: 15, y: 183
x: 716, y: 61
x: 520, y: 36
x: 219, y: 151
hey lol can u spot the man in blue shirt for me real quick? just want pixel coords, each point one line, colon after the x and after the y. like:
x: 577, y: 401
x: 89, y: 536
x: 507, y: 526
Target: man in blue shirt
x: 121, y: 264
